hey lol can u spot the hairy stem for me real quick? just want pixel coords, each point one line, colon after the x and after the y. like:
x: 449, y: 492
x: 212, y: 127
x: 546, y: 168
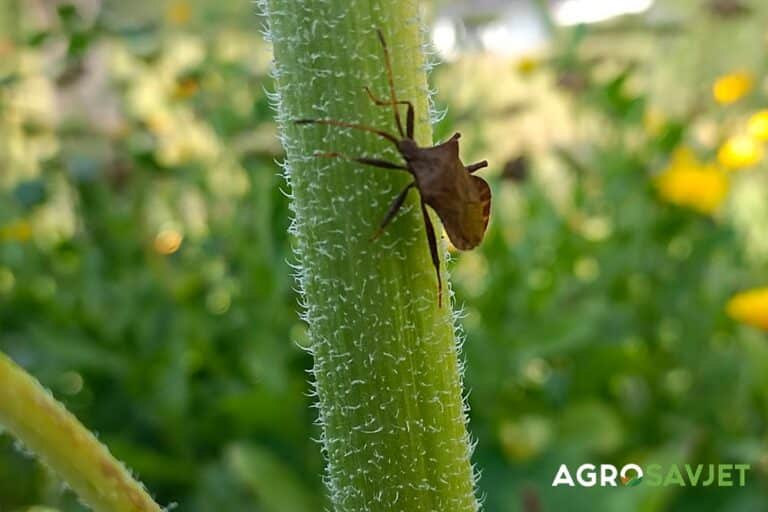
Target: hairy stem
x: 32, y: 415
x: 387, y: 373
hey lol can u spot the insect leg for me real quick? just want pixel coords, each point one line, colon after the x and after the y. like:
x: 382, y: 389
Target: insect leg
x: 432, y: 239
x: 479, y: 165
x: 409, y: 122
x: 393, y: 209
x: 375, y: 162
x: 332, y: 122
x: 391, y: 81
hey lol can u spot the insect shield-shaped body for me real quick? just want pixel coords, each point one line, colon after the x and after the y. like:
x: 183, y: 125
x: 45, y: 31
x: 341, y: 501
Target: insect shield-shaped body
x: 461, y: 199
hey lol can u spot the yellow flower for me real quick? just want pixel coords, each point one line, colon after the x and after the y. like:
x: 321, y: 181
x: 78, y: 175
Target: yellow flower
x: 527, y: 65
x: 689, y: 183
x: 160, y: 122
x: 179, y: 12
x: 168, y: 241
x: 750, y: 307
x: 740, y: 151
x: 17, y: 231
x: 732, y: 87
x: 758, y: 125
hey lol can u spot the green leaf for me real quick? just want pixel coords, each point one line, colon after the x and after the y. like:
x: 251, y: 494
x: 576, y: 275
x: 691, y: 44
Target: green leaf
x: 37, y: 38
x: 67, y: 14
x: 79, y: 42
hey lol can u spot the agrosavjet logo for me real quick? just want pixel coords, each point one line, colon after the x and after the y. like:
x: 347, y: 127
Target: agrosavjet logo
x: 654, y: 475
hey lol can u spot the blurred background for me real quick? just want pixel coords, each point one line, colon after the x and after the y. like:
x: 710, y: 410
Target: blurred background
x: 615, y: 313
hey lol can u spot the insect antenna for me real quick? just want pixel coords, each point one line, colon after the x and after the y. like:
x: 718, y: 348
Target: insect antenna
x: 391, y: 81
x: 333, y: 122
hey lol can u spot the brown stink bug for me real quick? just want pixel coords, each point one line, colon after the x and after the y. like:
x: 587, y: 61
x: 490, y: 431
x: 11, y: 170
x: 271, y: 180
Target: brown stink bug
x: 460, y: 199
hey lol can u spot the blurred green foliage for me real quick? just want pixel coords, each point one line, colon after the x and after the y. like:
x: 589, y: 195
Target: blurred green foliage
x: 185, y: 362
x: 144, y: 275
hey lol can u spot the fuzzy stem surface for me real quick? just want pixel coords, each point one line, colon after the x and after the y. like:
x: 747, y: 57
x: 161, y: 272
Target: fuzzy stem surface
x: 33, y: 416
x: 387, y: 373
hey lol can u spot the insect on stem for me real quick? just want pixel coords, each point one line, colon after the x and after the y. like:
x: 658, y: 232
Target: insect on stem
x: 461, y: 199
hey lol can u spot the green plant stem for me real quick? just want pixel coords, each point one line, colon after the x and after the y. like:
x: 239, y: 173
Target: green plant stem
x: 33, y: 416
x: 387, y: 373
